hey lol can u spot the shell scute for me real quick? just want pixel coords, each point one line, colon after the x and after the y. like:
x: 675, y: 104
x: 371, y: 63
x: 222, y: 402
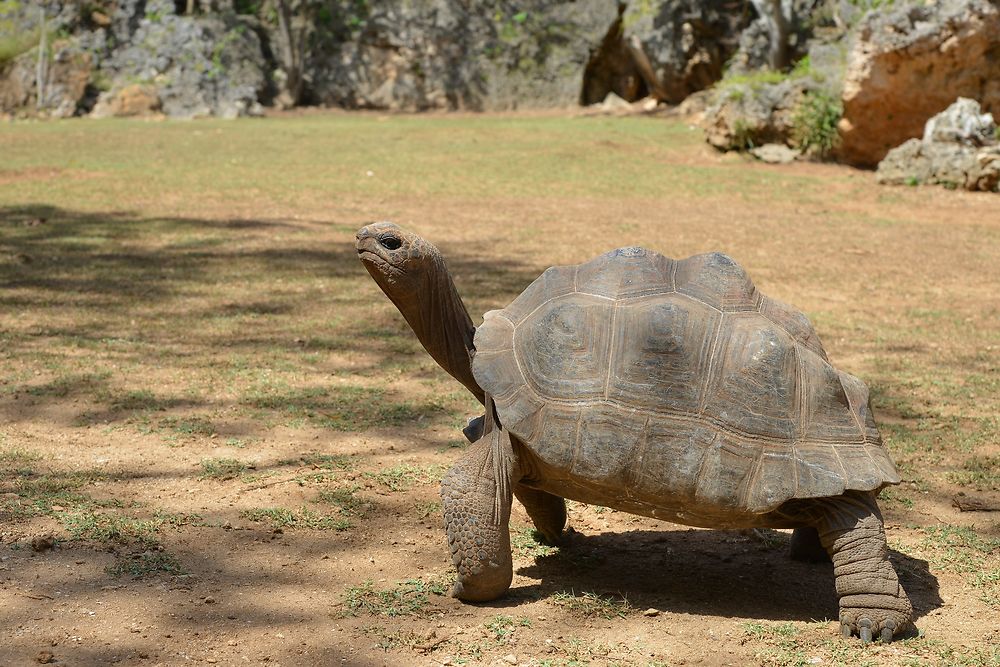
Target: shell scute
x: 755, y: 380
x: 716, y: 279
x: 725, y: 472
x: 564, y: 348
x: 794, y: 322
x: 553, y: 283
x: 637, y: 272
x: 661, y: 353
x: 604, y: 448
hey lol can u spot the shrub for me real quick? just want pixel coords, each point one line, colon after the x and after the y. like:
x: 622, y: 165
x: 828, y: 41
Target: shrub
x: 814, y: 122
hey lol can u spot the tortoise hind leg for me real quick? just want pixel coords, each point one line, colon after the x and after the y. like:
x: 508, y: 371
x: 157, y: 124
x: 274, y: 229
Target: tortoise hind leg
x: 476, y: 498
x: 872, y: 602
x: 806, y: 546
x: 547, y: 511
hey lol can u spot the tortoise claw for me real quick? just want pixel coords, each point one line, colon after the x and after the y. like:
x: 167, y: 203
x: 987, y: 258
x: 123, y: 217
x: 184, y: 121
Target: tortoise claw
x: 887, y: 629
x: 865, y: 630
x: 845, y: 630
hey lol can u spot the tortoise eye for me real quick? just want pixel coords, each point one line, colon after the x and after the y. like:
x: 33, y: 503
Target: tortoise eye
x: 390, y: 242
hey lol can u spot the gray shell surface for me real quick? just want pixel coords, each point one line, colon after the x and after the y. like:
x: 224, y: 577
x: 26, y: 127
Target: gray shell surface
x: 660, y: 379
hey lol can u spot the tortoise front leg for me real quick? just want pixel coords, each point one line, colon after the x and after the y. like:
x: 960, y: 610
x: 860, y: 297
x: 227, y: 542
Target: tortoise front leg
x: 547, y: 511
x: 476, y: 498
x: 872, y: 602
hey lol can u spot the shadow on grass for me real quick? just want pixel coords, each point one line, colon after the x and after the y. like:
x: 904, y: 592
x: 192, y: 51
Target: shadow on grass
x: 238, y: 295
x: 711, y: 573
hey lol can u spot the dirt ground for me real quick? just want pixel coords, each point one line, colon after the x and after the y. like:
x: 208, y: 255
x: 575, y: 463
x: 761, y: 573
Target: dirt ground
x: 219, y: 442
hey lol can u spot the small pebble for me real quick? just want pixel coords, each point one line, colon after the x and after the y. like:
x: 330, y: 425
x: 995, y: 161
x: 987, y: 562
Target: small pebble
x: 651, y: 612
x: 510, y: 658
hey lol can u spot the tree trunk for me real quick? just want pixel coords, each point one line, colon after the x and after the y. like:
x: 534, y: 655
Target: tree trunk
x: 290, y: 53
x: 42, y: 64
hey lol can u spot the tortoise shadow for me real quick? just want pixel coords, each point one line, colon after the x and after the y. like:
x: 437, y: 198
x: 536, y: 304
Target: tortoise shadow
x: 709, y: 572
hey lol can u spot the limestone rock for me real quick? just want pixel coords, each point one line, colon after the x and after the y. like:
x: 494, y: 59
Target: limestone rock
x: 911, y: 61
x: 958, y: 149
x: 775, y: 153
x: 199, y: 65
x: 437, y: 54
x: 133, y: 100
x: 65, y: 85
x: 745, y: 115
x: 688, y: 43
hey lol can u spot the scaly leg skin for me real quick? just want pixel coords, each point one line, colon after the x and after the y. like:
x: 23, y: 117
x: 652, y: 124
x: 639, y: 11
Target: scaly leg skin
x: 476, y: 498
x: 806, y: 546
x: 872, y: 602
x: 547, y: 511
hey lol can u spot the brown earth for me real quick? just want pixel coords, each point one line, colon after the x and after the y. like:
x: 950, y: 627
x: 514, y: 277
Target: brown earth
x: 187, y: 357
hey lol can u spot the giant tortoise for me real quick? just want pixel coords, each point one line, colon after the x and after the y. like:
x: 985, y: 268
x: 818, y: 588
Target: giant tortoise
x: 667, y: 388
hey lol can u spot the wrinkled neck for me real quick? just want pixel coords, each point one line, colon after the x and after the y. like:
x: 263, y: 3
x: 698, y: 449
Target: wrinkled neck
x: 439, y: 318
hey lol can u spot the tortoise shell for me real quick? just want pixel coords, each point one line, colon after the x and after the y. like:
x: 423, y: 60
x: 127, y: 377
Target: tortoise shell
x: 656, y: 378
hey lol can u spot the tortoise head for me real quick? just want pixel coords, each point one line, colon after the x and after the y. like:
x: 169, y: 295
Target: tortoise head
x: 414, y: 276
x: 400, y: 262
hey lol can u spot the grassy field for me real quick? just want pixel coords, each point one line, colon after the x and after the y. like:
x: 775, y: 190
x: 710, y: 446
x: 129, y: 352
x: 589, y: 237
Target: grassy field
x: 219, y: 442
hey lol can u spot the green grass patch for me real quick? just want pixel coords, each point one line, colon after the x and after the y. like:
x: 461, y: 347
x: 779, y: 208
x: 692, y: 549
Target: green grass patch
x: 113, y: 528
x: 190, y: 426
x: 281, y: 517
x: 345, y: 500
x: 406, y: 475
x: 344, y: 408
x: 501, y: 627
x: 592, y: 604
x: 321, y: 461
x: 224, y: 468
x: 144, y: 564
x: 407, y: 598
x: 961, y: 549
x: 979, y: 472
x: 527, y: 542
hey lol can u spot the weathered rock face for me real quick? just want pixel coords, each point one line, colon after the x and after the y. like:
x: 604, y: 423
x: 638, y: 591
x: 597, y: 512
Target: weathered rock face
x: 66, y: 68
x: 448, y: 54
x: 200, y: 66
x: 909, y: 63
x: 959, y: 148
x: 688, y: 43
x: 132, y: 100
x: 195, y: 65
x: 752, y: 114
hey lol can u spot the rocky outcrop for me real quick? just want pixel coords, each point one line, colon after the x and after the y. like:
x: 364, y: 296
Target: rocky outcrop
x: 447, y: 54
x: 910, y: 62
x: 128, y: 101
x: 756, y: 111
x: 192, y: 65
x: 200, y: 66
x: 666, y: 49
x: 959, y: 148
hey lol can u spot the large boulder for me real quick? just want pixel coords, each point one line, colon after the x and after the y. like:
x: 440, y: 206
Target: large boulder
x: 959, y: 148
x: 911, y: 61
x: 755, y: 112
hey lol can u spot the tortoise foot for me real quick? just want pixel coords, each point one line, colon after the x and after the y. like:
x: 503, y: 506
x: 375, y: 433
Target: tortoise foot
x: 869, y: 623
